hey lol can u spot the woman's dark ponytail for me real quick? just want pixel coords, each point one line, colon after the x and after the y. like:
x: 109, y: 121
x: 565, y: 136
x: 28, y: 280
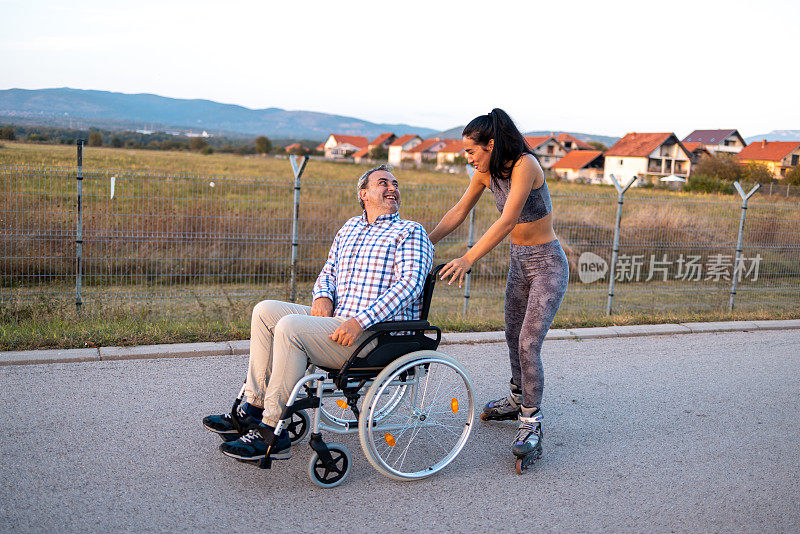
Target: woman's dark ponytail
x: 509, y: 144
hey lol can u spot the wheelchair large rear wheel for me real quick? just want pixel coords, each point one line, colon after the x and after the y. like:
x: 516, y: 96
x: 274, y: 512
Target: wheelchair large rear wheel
x: 429, y: 425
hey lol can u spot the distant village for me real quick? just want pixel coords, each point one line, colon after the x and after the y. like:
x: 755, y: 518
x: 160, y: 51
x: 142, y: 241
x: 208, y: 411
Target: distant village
x: 654, y: 156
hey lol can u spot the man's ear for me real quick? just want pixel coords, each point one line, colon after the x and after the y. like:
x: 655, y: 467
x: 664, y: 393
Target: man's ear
x: 362, y: 194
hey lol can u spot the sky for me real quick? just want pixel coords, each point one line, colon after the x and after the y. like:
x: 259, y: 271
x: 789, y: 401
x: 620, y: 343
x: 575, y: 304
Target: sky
x: 600, y: 67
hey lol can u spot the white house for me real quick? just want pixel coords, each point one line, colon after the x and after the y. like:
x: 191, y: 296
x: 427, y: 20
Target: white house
x: 401, y: 145
x: 447, y: 154
x: 547, y: 149
x: 342, y: 146
x: 580, y: 165
x: 727, y: 141
x: 426, y: 151
x: 646, y: 155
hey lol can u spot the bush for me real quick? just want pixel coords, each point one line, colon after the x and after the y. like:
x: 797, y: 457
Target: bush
x: 206, y: 150
x: 792, y: 176
x: 7, y: 133
x: 758, y: 172
x: 701, y: 183
x: 116, y: 142
x: 198, y: 143
x: 721, y: 166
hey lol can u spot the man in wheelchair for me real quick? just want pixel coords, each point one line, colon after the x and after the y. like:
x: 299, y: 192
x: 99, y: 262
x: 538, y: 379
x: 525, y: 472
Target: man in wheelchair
x: 375, y: 271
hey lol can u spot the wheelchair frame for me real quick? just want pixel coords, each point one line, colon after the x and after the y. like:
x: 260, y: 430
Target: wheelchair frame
x: 402, y: 366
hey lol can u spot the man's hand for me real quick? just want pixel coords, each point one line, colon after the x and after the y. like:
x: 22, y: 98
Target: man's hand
x: 347, y: 332
x: 322, y: 307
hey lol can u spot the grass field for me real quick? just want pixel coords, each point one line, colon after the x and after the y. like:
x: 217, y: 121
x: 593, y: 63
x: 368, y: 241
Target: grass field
x: 166, y: 231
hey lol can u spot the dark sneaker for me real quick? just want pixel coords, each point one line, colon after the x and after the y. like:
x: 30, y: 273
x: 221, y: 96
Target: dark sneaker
x: 251, y: 446
x: 227, y: 428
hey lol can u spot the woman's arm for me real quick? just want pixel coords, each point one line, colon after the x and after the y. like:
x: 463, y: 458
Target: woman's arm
x: 453, y: 218
x: 527, y: 174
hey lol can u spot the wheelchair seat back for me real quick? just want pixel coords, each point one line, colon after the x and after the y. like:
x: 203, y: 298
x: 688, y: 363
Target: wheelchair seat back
x: 395, y: 338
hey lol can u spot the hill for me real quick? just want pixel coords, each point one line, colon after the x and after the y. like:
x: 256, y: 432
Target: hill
x: 455, y: 133
x: 80, y: 108
x: 776, y: 135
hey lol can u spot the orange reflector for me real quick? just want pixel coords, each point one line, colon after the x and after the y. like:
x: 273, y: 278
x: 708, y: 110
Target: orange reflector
x: 342, y: 404
x: 454, y: 405
x: 389, y: 439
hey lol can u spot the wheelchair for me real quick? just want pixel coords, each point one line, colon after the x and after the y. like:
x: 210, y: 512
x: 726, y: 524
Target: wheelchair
x: 412, y: 406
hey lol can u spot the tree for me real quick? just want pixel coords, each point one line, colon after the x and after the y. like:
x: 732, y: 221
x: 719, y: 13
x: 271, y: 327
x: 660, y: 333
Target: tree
x: 263, y: 145
x: 721, y: 166
x: 379, y: 153
x: 597, y: 145
x: 95, y: 139
x: 792, y: 176
x: 116, y: 142
x: 7, y: 133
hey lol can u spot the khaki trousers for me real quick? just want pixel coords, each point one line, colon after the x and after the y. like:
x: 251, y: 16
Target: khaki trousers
x: 283, y: 339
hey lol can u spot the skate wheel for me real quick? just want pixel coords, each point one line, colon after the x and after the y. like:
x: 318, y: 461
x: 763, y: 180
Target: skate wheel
x: 484, y: 417
x: 520, y: 466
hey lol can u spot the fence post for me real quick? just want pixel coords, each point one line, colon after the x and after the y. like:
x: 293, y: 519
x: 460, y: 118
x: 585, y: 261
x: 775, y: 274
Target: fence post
x: 470, y: 242
x: 79, y: 230
x: 615, y: 250
x: 745, y: 198
x: 298, y: 172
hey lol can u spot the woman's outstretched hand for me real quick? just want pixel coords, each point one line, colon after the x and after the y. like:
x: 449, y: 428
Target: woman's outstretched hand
x: 456, y: 270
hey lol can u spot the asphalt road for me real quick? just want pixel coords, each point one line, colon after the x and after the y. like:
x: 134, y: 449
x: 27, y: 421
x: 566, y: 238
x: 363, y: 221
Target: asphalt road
x: 682, y: 433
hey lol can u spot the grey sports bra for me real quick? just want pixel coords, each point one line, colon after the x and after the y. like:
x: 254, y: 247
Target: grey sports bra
x: 537, y: 206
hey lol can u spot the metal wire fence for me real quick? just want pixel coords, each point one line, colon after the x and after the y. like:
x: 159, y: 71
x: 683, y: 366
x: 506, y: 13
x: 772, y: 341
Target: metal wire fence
x: 177, y: 243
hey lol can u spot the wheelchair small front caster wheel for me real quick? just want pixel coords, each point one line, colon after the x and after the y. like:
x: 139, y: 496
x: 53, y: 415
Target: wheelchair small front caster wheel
x: 332, y: 475
x: 298, y: 426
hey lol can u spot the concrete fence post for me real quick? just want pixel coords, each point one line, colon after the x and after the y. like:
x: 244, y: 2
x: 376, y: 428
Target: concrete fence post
x: 615, y: 249
x: 734, y: 278
x: 297, y: 169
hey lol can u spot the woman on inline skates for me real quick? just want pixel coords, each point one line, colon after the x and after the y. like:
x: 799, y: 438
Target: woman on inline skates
x: 538, y: 270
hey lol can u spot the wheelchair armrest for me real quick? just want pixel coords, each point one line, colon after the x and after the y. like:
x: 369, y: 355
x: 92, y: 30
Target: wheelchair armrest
x: 399, y: 326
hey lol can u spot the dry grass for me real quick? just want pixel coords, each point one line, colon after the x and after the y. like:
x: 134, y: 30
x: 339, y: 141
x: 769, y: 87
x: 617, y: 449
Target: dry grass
x: 226, y: 247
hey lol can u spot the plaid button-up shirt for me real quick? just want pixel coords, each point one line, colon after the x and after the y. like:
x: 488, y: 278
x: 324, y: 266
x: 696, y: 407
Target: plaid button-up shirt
x: 376, y: 272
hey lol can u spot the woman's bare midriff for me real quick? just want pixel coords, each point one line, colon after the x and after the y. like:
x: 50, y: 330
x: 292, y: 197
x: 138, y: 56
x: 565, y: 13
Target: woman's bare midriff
x: 534, y: 233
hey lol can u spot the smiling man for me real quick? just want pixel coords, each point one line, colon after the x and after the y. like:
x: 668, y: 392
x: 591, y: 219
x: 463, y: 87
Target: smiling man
x: 375, y: 272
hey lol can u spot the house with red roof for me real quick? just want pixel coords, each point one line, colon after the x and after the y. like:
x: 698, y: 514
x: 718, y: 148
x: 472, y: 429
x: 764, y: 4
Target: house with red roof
x: 726, y: 141
x: 427, y: 150
x: 547, y: 149
x: 296, y: 148
x: 779, y: 156
x: 581, y: 166
x: 402, y: 145
x: 342, y: 146
x: 698, y: 150
x: 447, y: 156
x: 383, y: 141
x: 573, y: 143
x: 652, y: 155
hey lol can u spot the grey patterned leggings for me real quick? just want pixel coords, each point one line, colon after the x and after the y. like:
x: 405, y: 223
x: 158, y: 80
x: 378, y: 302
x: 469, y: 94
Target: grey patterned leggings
x: 537, y: 280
